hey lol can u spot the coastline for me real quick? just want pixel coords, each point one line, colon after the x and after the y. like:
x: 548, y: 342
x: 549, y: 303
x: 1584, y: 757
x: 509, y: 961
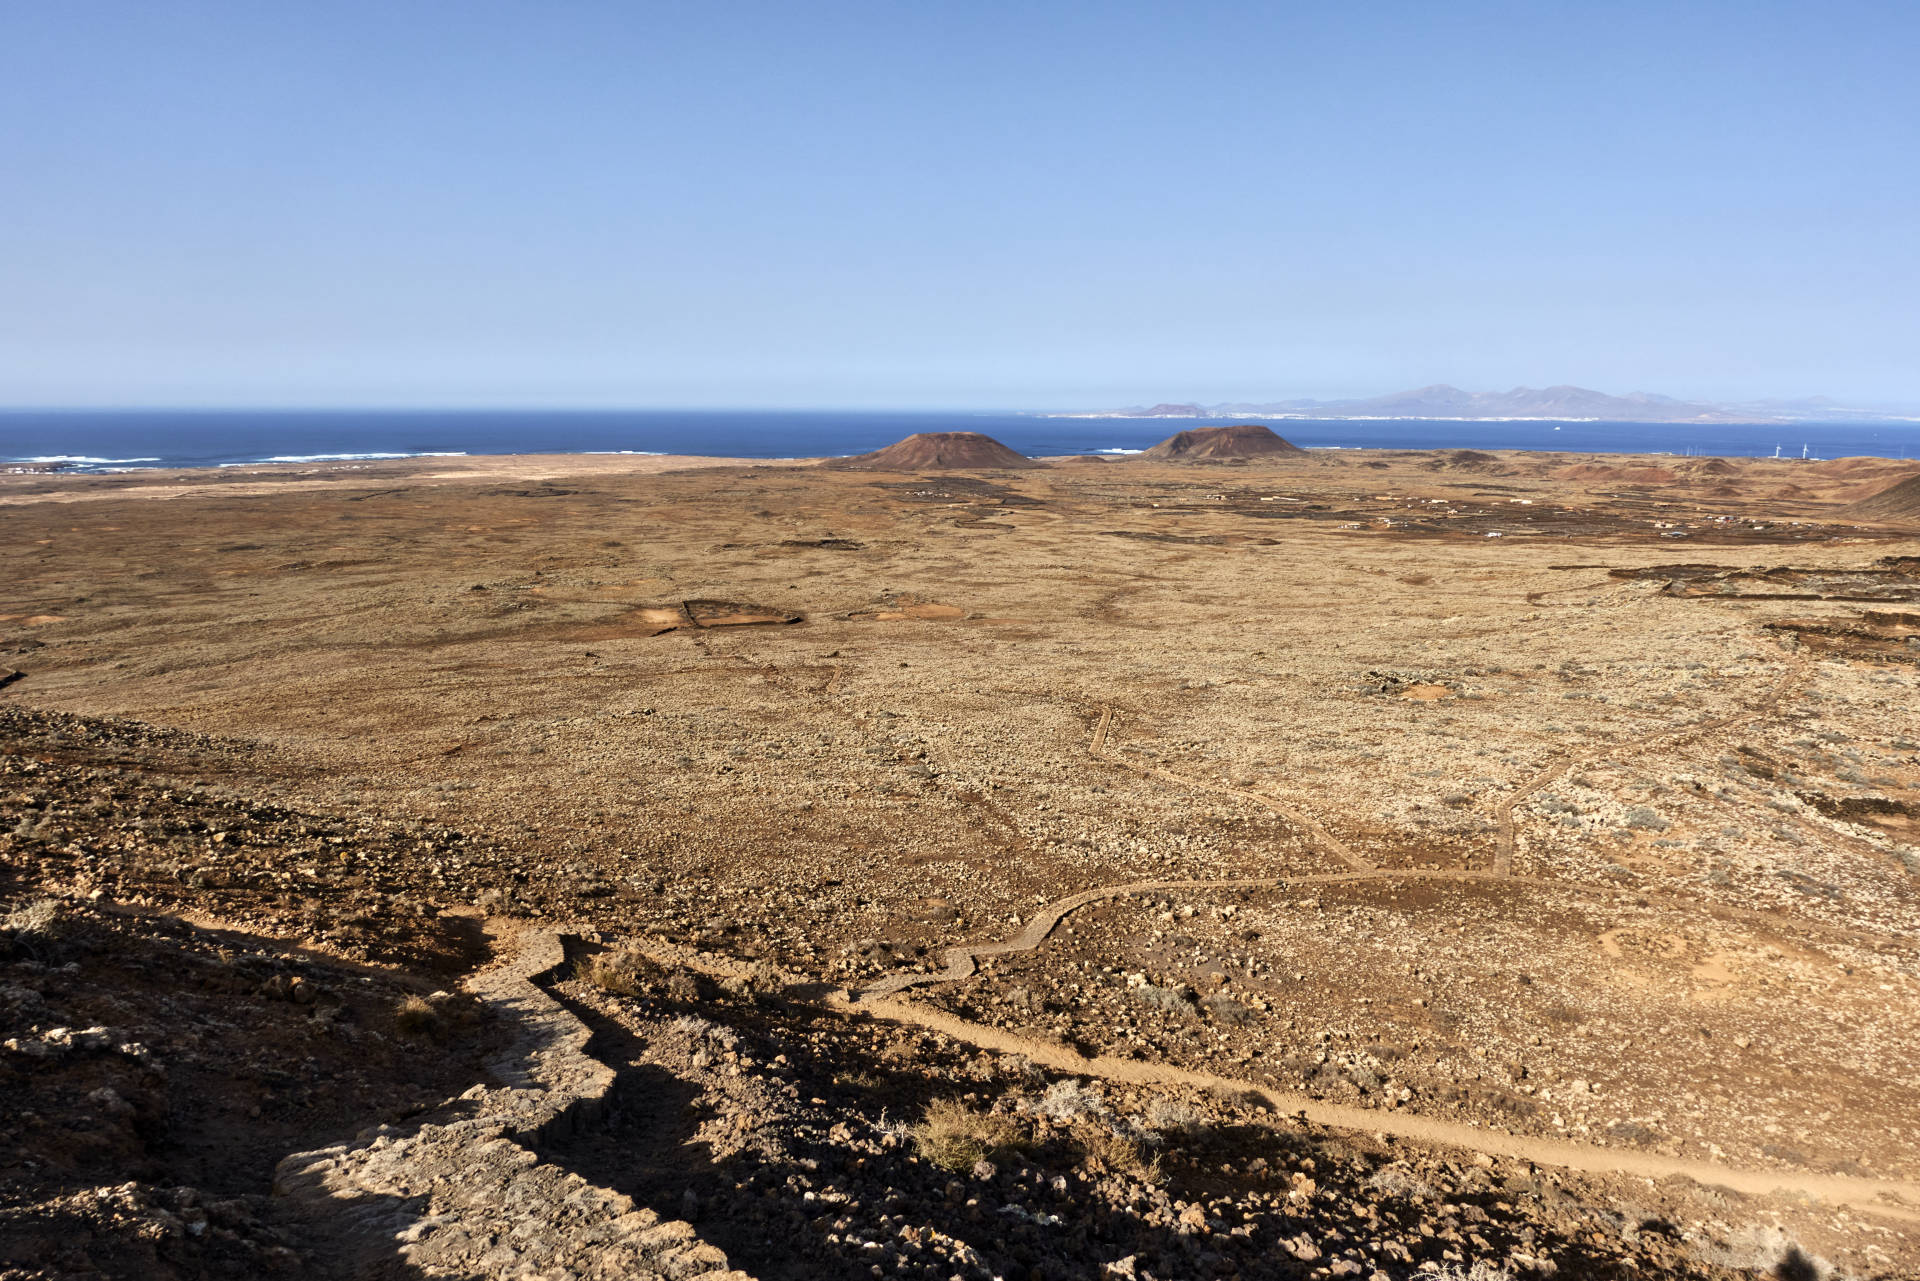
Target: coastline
x: 254, y: 479
x: 1808, y: 484
x: 145, y: 442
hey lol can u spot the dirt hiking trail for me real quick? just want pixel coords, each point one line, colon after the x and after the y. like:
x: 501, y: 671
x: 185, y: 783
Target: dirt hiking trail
x: 1893, y: 1198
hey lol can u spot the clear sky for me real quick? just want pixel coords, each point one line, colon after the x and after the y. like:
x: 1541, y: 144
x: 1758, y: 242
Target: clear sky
x: 917, y: 203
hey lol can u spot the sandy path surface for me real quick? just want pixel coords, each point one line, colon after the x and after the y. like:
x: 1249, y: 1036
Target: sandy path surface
x: 1899, y: 1199
x: 880, y: 1000
x: 1895, y: 1198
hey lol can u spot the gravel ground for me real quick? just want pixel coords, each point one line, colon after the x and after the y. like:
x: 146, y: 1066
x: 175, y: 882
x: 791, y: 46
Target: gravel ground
x: 1547, y: 834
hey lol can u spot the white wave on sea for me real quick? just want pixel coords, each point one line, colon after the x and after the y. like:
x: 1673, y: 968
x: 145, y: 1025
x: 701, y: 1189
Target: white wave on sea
x: 344, y: 458
x: 82, y: 460
x: 1116, y: 449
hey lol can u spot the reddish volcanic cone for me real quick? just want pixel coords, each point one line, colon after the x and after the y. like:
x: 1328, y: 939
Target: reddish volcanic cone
x: 1222, y: 444
x: 939, y: 451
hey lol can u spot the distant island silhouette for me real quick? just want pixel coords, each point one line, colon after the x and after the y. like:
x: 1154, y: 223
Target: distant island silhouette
x: 1561, y: 403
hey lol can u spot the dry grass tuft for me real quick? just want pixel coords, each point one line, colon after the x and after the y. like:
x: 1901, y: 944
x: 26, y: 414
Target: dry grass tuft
x: 1172, y: 1000
x: 953, y: 1136
x: 416, y: 1016
x: 1399, y: 1180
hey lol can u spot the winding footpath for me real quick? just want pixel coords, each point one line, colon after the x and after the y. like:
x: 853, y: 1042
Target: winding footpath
x: 1891, y: 1197
x: 1895, y: 1198
x: 962, y: 961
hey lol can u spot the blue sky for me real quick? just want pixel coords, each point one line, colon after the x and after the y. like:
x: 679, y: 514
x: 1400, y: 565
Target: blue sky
x: 952, y: 204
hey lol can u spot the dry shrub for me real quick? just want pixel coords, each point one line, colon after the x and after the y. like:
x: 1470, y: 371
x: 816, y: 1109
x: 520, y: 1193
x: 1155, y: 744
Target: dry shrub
x: 1399, y: 1180
x: 707, y: 1030
x: 416, y: 1016
x: 1224, y: 1009
x: 953, y: 1136
x: 1069, y: 1100
x: 1647, y: 819
x: 629, y: 972
x: 616, y: 973
x: 1175, y: 1116
x: 762, y: 982
x: 34, y: 930
x: 1173, y: 1000
x: 37, y: 920
x: 1769, y: 1252
x: 686, y: 987
x: 1478, y: 1270
x: 1118, y: 1153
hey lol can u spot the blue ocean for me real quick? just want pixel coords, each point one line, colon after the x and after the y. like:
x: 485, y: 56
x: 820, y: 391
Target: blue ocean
x: 102, y: 440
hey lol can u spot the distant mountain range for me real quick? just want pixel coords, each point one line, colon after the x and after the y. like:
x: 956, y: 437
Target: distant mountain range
x: 1560, y: 403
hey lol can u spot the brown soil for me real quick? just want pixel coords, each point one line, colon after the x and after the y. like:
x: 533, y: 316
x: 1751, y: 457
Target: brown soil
x: 688, y: 615
x: 1612, y: 944
x: 1897, y: 502
x: 926, y: 612
x: 154, y: 1069
x: 1900, y: 818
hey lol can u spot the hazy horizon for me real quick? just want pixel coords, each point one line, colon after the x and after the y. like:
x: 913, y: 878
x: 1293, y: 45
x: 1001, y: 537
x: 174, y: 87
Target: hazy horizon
x: 1203, y: 400
x: 873, y: 206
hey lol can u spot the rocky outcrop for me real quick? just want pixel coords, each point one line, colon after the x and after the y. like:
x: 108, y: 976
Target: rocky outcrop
x: 467, y: 1194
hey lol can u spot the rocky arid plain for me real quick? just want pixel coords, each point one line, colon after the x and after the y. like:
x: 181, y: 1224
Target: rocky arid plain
x: 1243, y: 864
